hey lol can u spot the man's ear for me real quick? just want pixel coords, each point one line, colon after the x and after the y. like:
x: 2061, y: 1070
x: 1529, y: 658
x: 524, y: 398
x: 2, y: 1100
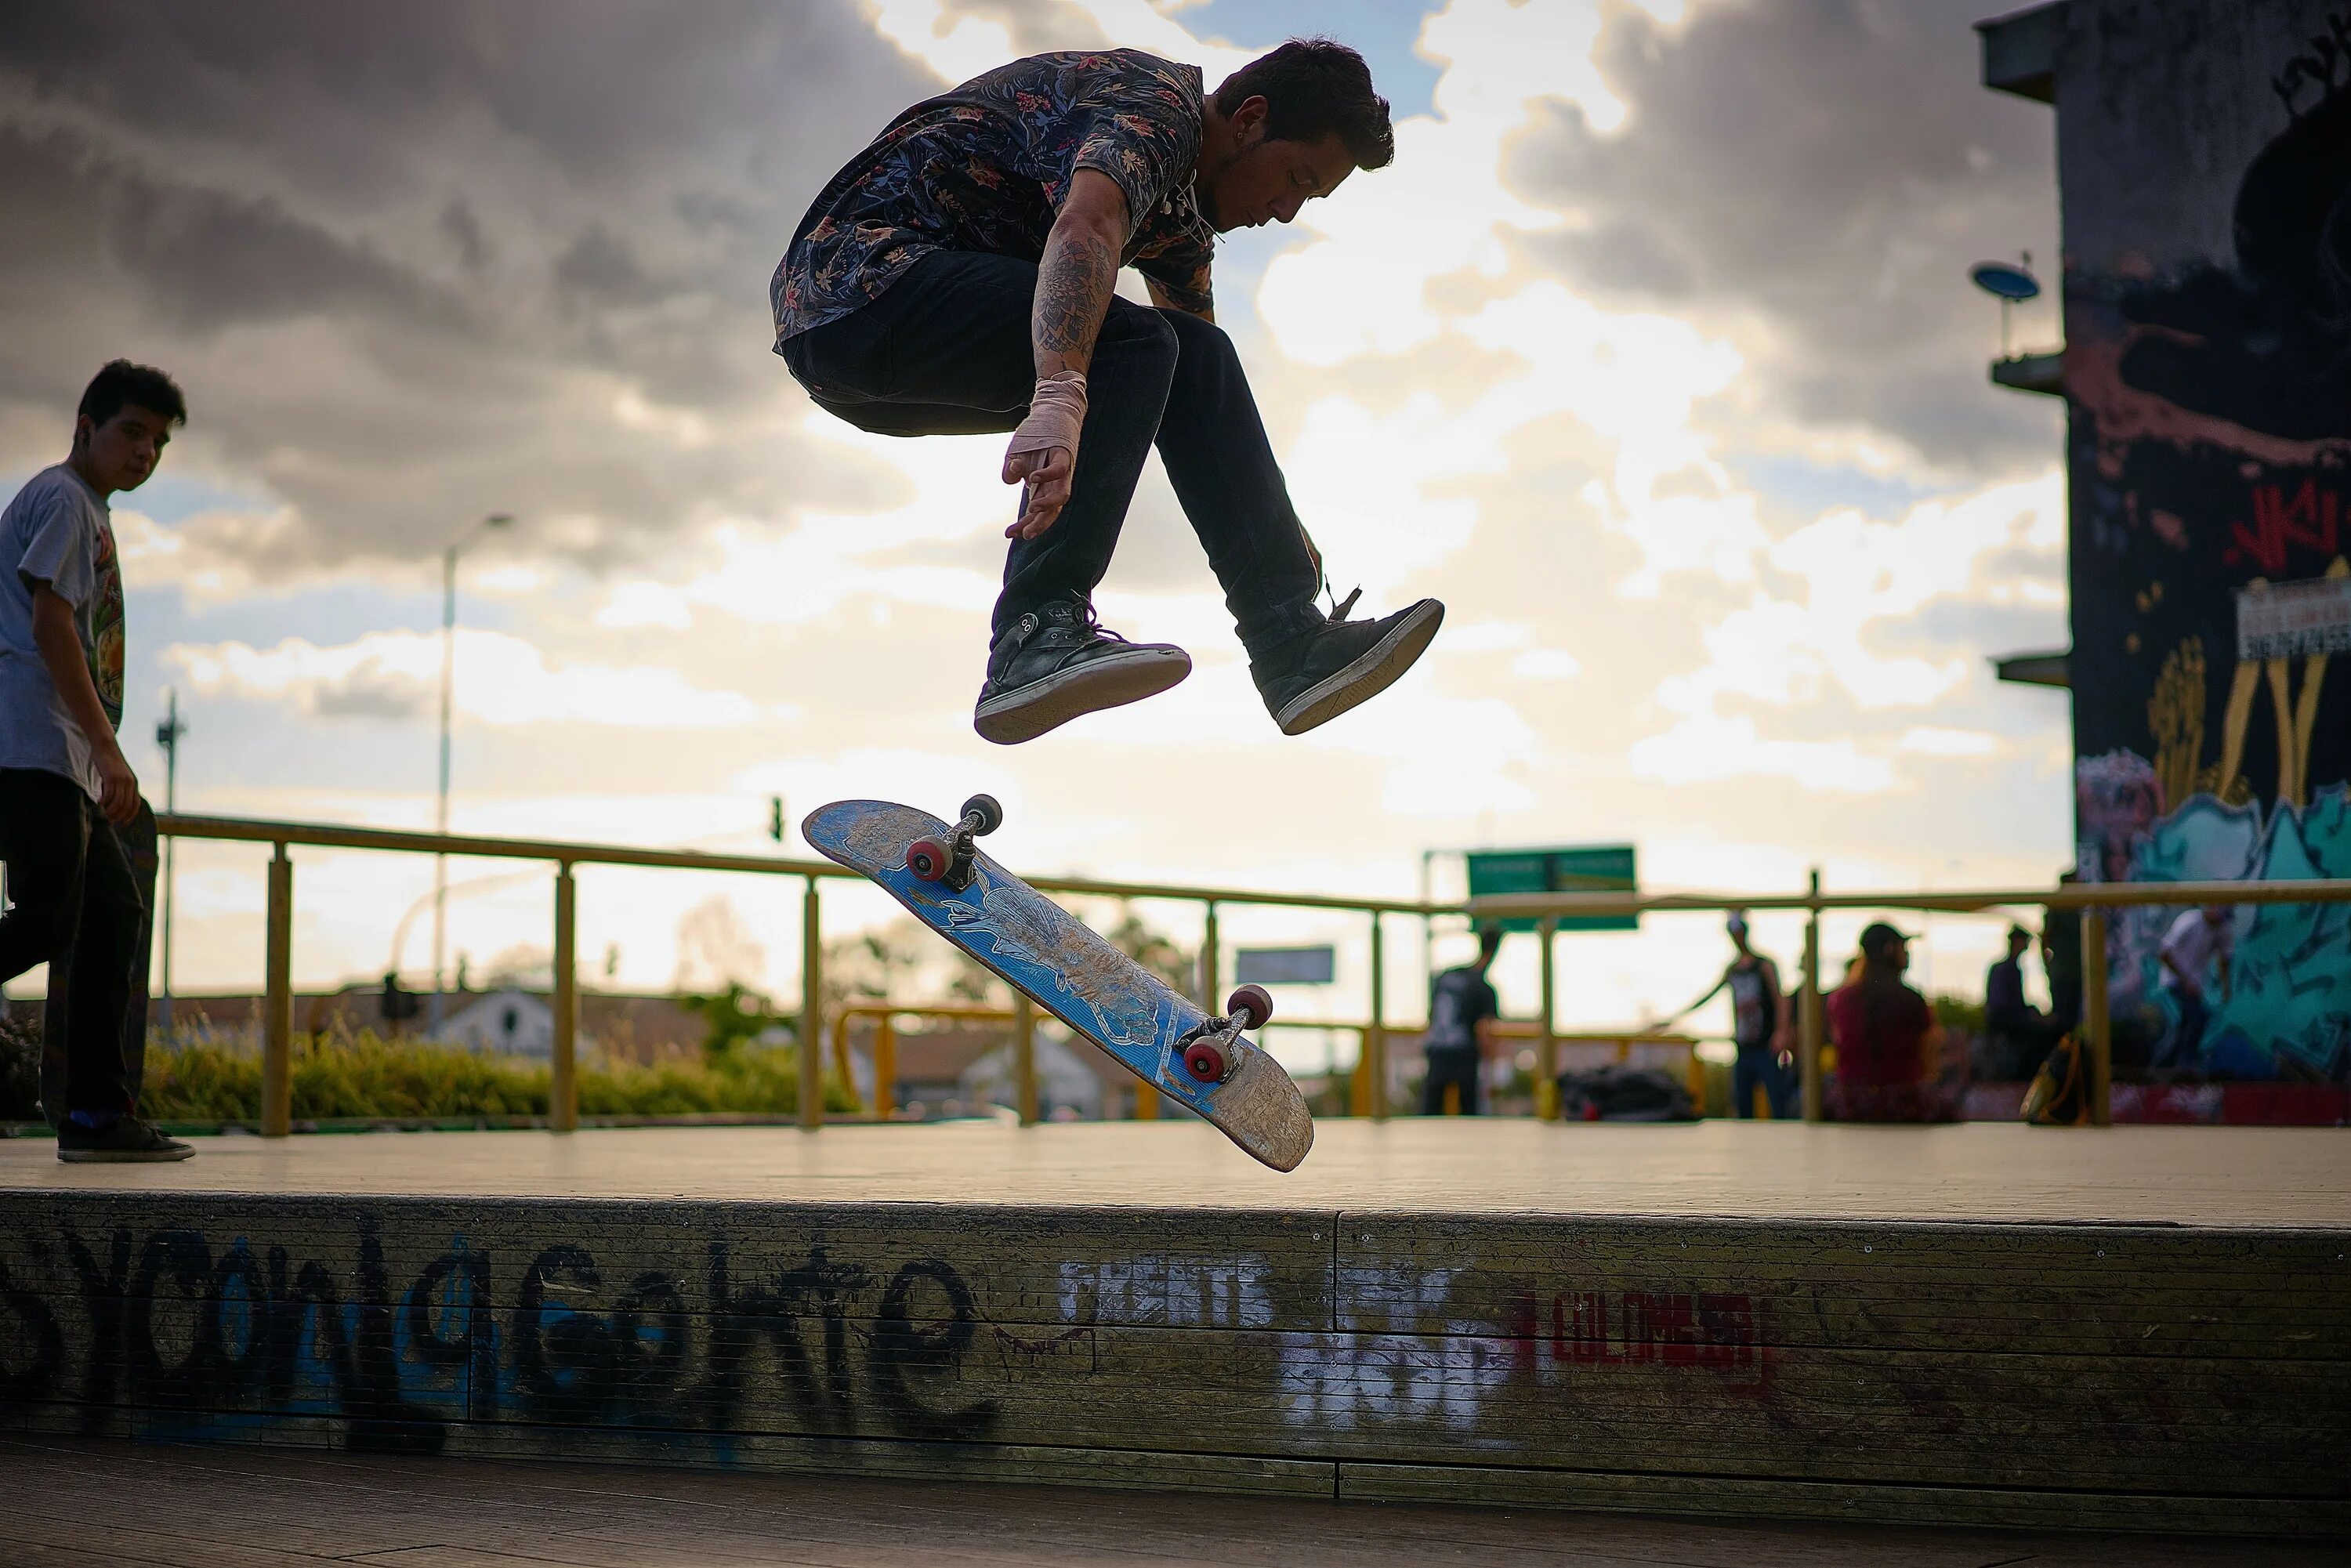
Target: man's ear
x: 1249, y: 122
x: 83, y: 430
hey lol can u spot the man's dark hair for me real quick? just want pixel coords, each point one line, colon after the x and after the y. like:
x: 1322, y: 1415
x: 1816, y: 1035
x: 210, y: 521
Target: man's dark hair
x: 1313, y: 87
x: 122, y: 385
x: 1489, y: 941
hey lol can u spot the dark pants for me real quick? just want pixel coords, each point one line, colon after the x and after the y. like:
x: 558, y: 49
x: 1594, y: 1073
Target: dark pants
x: 78, y: 905
x: 1758, y: 1066
x: 2185, y: 1047
x: 1450, y: 1064
x: 947, y: 352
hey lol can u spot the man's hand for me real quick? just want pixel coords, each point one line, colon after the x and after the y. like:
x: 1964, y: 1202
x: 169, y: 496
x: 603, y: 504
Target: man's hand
x: 118, y: 786
x: 1075, y: 282
x: 1047, y: 475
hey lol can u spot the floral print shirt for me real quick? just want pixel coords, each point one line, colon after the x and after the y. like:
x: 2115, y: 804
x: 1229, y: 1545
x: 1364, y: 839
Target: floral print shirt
x: 986, y: 166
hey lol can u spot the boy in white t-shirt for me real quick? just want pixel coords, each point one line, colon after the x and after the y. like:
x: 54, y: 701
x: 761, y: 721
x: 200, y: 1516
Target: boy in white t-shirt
x: 66, y: 793
x: 2198, y: 941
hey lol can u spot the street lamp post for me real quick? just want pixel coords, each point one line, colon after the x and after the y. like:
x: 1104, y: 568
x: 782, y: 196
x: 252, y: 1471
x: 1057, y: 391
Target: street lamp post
x: 167, y: 735
x: 440, y: 809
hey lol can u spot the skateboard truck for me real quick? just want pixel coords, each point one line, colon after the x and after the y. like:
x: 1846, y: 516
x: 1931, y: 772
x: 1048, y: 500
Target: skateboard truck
x: 1210, y: 1056
x: 947, y: 859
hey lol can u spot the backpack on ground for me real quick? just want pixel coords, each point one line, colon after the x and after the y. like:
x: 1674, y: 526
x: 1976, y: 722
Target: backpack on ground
x: 1616, y: 1092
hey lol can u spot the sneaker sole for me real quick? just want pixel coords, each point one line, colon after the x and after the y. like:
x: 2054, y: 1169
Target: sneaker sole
x: 1040, y: 706
x: 1372, y: 672
x: 122, y: 1156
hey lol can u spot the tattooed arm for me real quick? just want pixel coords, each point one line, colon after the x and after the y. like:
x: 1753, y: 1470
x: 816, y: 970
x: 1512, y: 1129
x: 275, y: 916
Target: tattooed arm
x: 1073, y: 291
x: 1167, y: 301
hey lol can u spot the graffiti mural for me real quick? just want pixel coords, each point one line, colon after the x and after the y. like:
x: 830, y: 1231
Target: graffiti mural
x: 2210, y: 460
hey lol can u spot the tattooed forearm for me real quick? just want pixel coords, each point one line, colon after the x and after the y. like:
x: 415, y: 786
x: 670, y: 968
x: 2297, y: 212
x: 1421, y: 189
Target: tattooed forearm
x: 1073, y: 291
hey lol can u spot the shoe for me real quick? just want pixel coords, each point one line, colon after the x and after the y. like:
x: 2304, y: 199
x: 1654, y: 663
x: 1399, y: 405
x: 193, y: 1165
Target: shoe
x: 1322, y: 674
x: 1057, y: 661
x: 129, y: 1140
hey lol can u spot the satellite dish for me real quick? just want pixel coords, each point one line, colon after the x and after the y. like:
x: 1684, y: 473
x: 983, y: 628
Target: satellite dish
x: 2006, y: 279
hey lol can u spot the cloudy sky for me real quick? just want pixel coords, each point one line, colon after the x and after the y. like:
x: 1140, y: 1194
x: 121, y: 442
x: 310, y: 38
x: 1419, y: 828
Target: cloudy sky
x: 1653, y: 355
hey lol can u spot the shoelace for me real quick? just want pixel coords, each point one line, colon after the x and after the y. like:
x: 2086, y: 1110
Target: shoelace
x: 1338, y: 607
x: 1088, y: 620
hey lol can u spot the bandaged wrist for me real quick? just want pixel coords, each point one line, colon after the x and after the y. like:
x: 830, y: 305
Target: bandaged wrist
x: 1057, y: 413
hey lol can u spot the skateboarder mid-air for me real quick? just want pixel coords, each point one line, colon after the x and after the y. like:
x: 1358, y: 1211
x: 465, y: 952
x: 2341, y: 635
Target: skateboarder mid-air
x: 957, y: 277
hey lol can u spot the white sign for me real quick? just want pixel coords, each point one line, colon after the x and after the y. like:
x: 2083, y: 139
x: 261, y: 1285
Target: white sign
x: 2294, y: 620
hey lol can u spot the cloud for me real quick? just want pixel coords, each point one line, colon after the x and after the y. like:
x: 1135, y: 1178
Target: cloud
x: 1815, y: 176
x: 497, y: 680
x: 418, y: 263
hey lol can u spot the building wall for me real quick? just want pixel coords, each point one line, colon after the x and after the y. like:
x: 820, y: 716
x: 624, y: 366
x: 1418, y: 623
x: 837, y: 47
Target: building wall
x: 2204, y: 152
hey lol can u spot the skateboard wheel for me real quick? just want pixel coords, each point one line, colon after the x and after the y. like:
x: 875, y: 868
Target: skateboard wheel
x: 928, y: 858
x: 1252, y: 1005
x: 984, y: 807
x: 1205, y: 1062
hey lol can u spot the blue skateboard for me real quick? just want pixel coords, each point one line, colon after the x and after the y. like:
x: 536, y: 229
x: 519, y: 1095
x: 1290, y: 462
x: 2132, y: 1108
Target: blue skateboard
x: 1206, y: 1064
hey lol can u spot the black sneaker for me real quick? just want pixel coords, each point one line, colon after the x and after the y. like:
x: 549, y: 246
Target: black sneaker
x: 1321, y: 674
x: 130, y: 1140
x: 1056, y: 662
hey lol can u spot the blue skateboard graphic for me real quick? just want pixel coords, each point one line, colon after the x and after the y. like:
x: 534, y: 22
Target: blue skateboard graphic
x: 1161, y: 1036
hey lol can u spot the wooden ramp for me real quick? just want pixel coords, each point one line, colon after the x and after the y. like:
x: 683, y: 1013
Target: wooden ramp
x: 2141, y: 1328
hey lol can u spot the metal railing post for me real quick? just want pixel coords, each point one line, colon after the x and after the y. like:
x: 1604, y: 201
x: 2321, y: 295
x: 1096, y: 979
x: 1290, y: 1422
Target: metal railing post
x: 1210, y: 950
x: 1811, y: 1015
x: 885, y: 1068
x: 811, y: 1044
x: 1547, y: 1042
x: 277, y: 1004
x: 1024, y: 1056
x: 1375, y: 1036
x: 563, y: 1085
x: 2096, y: 1018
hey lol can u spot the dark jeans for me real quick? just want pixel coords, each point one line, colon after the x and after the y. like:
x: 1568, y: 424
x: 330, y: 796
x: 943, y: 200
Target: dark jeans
x: 2185, y: 1046
x: 1758, y: 1066
x: 1450, y: 1064
x: 77, y: 904
x: 946, y: 351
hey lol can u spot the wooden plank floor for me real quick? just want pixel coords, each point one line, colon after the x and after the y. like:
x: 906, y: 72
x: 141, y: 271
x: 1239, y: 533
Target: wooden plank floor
x: 2252, y: 1178
x: 77, y: 1503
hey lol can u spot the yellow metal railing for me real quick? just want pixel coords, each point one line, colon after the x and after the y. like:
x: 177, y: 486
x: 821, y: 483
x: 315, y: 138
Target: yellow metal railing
x: 277, y: 989
x: 2094, y: 899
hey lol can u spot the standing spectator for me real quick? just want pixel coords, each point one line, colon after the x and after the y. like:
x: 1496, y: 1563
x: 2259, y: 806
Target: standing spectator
x: 1462, y: 1007
x: 1758, y: 1028
x: 2017, y: 1033
x: 68, y: 796
x: 2198, y: 942
x: 1886, y: 1038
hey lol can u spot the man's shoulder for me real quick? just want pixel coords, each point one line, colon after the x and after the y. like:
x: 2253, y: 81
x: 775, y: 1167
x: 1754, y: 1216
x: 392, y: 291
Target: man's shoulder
x: 54, y: 486
x: 54, y: 492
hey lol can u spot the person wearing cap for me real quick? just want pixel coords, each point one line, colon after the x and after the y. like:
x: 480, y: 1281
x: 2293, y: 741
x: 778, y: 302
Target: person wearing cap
x: 1886, y: 1038
x: 2200, y: 942
x: 1759, y: 1027
x: 1462, y: 1007
x: 2018, y: 1032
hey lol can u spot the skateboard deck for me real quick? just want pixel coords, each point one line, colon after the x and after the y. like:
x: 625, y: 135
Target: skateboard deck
x: 1040, y: 949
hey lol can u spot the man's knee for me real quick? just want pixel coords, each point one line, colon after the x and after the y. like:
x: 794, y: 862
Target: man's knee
x: 38, y: 931
x: 1206, y: 348
x: 1140, y: 337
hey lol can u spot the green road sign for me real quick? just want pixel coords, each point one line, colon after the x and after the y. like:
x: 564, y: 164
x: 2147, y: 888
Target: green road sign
x: 1583, y: 868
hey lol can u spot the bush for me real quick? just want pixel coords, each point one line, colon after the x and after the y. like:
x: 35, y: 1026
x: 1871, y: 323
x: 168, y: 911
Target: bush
x: 371, y: 1078
x: 20, y: 1071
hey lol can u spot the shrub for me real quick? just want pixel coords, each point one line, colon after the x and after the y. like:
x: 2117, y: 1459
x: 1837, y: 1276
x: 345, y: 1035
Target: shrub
x: 20, y: 1071
x: 367, y: 1077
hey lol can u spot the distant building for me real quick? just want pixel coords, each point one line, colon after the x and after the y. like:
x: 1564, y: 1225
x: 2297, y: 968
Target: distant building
x: 2204, y: 170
